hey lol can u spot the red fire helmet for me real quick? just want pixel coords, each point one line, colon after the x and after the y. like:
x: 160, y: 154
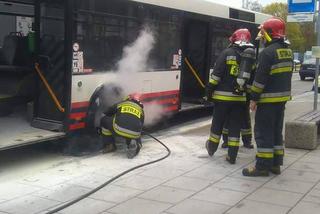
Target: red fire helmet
x: 136, y: 97
x: 241, y: 37
x: 274, y: 28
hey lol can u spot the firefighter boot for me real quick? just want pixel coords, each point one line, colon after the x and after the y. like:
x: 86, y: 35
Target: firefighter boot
x: 133, y: 148
x: 247, y: 142
x: 232, y: 154
x: 275, y: 170
x: 211, y: 147
x: 254, y: 172
x: 230, y: 159
x: 248, y: 145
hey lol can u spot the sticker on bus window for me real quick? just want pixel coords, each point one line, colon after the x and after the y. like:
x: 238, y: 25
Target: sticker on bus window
x: 77, y: 59
x: 77, y: 62
x: 175, y: 61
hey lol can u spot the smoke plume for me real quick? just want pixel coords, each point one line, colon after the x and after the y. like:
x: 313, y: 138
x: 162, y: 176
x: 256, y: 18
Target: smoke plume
x: 134, y: 60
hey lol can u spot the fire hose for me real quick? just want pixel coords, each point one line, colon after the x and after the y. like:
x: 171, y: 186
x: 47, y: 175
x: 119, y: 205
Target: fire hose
x: 63, y: 206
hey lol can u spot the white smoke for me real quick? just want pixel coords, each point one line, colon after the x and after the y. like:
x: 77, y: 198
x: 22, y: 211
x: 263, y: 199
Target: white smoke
x: 153, y: 113
x: 134, y: 60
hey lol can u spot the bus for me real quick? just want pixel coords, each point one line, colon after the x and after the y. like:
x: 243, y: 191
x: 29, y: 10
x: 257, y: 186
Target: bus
x: 55, y: 56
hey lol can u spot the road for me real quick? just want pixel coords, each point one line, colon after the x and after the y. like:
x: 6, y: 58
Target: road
x: 300, y: 87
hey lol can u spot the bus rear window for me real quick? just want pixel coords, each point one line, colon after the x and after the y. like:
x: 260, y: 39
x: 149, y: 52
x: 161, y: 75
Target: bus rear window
x: 241, y: 15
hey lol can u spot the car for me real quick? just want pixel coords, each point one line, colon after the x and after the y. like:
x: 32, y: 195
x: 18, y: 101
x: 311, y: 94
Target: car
x: 308, y: 69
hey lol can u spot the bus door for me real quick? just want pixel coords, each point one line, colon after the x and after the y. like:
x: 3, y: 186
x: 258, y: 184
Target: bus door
x: 194, y: 74
x: 52, y: 59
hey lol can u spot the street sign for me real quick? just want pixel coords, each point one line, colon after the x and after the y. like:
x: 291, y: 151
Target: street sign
x: 301, y: 6
x: 300, y: 17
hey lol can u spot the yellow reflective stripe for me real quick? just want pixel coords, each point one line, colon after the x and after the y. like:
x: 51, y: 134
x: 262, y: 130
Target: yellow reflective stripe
x: 131, y: 110
x: 274, y: 99
x: 233, y: 143
x: 279, y: 152
x: 106, y: 132
x: 133, y: 105
x: 213, y: 82
x: 229, y: 98
x: 123, y: 134
x: 4, y: 96
x: 256, y: 89
x: 246, y: 132
x: 281, y: 70
x: 225, y: 131
x: 232, y: 62
x: 214, y: 140
x: 264, y: 155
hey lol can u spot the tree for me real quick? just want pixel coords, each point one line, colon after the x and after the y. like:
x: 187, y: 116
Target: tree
x: 277, y: 10
x: 301, y: 35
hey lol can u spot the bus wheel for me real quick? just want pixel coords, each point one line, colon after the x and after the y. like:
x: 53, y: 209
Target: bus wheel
x: 94, y: 112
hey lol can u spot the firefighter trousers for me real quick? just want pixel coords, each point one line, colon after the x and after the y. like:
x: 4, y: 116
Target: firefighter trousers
x: 268, y: 135
x: 245, y: 131
x: 107, y: 131
x: 231, y: 113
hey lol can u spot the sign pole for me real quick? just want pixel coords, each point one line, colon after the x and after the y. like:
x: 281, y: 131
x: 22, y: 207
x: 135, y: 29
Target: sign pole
x: 315, y: 102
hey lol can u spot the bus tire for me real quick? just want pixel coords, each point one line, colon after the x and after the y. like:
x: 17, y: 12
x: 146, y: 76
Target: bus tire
x: 93, y: 110
x: 97, y: 106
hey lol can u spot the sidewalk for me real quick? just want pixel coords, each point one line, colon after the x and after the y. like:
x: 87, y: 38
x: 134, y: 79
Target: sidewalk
x: 186, y: 182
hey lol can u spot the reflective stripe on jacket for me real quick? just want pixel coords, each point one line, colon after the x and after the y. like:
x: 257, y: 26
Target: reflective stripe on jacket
x: 272, y: 82
x: 223, y: 78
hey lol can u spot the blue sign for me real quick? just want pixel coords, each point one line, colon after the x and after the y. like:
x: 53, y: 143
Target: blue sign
x: 301, y: 6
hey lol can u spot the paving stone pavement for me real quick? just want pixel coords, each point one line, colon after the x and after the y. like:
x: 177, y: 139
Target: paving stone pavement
x: 187, y: 182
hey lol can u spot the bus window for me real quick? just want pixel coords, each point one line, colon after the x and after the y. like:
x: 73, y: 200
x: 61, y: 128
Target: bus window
x: 103, y: 29
x: 167, y: 30
x: 221, y: 33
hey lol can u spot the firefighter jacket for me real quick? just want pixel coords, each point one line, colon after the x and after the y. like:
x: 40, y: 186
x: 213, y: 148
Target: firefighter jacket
x: 127, y: 119
x: 221, y: 86
x: 272, y: 82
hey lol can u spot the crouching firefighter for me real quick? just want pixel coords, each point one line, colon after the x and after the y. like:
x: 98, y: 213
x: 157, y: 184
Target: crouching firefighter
x: 244, y: 81
x: 124, y: 120
x: 271, y: 89
x: 229, y: 100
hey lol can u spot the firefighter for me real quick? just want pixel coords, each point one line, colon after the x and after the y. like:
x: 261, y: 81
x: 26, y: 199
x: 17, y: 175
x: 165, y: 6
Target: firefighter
x: 271, y: 90
x: 124, y: 120
x: 246, y: 128
x: 229, y: 103
x: 245, y: 131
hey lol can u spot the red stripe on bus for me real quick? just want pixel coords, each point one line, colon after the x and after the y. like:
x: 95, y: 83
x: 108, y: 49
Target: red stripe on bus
x: 159, y: 94
x: 77, y: 126
x: 80, y: 104
x: 163, y: 101
x: 171, y: 108
x: 78, y: 115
